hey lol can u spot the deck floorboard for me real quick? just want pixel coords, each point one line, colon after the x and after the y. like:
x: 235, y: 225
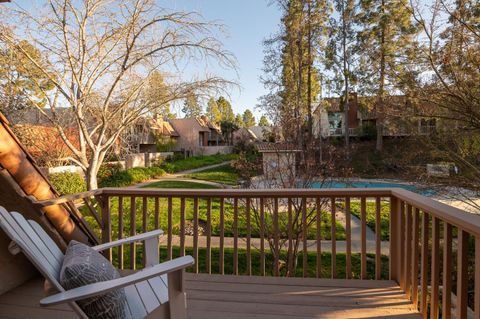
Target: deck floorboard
x: 214, y: 296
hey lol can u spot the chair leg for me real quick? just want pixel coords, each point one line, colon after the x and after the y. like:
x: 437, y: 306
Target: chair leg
x: 176, y: 295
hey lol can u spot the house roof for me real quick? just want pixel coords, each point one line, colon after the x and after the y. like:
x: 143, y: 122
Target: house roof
x: 277, y: 148
x: 258, y: 132
x: 206, y: 123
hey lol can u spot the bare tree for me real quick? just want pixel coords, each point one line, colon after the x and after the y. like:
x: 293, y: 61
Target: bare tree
x: 288, y: 221
x: 100, y: 56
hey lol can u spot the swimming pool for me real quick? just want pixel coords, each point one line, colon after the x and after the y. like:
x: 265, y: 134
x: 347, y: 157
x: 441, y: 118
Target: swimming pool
x: 358, y: 184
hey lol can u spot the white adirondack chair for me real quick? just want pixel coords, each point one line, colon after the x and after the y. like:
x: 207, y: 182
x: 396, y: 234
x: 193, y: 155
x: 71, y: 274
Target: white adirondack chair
x: 155, y: 292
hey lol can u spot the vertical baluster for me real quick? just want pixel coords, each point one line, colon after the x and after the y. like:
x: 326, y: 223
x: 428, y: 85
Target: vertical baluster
x: 424, y: 267
x: 291, y: 272
x: 249, y: 234
x: 408, y: 251
x: 435, y: 272
x: 235, y: 236
x: 133, y: 230
x: 222, y: 236
x: 477, y: 278
x: 262, y: 237
x: 415, y: 238
x: 276, y: 238
x: 447, y: 271
x: 402, y: 245
x: 378, y: 240
x: 195, y: 233
x: 144, y: 214
x: 209, y: 236
x: 304, y: 237
x: 107, y: 225
x: 169, y: 228
x: 144, y: 226
x: 182, y: 222
x: 394, y: 258
x: 363, y: 214
x: 120, y: 231
x: 462, y: 274
x: 348, y: 230
x: 157, y: 213
x: 334, y: 239
x: 318, y: 235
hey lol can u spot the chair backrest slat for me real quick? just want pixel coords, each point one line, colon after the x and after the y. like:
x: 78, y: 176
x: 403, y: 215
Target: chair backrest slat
x: 36, y: 252
x: 51, y: 245
x: 40, y: 245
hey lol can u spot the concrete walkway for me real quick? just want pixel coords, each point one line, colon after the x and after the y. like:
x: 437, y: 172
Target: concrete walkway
x: 326, y: 245
x: 200, y: 169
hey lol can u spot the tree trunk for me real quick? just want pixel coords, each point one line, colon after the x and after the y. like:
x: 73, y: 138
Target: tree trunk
x: 347, y: 88
x: 91, y: 177
x: 92, y: 171
x: 309, y: 78
x: 380, y: 102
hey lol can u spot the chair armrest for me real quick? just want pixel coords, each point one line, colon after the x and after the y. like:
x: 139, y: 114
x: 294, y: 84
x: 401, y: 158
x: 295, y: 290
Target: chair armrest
x: 128, y: 240
x: 106, y: 286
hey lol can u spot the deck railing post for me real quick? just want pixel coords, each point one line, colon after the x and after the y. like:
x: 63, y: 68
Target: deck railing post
x: 106, y: 223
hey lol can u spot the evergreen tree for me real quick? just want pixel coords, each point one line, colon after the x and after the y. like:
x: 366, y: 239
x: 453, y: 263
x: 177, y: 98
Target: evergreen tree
x: 239, y: 121
x: 21, y: 83
x: 340, y: 56
x: 225, y: 109
x: 248, y: 118
x: 303, y: 22
x: 263, y: 121
x: 191, y: 107
x: 212, y: 111
x: 156, y: 94
x: 386, y: 39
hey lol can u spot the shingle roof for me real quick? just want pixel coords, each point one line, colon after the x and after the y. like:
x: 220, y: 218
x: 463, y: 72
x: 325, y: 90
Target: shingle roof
x: 277, y: 147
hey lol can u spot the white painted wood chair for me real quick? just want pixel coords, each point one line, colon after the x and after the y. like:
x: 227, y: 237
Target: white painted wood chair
x: 155, y: 292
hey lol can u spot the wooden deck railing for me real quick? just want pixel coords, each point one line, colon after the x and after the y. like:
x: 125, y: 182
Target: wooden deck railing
x: 432, y: 249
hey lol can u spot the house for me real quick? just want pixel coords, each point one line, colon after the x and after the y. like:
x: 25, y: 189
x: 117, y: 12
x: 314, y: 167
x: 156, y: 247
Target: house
x: 279, y: 160
x: 150, y: 133
x: 199, y: 136
x: 402, y: 117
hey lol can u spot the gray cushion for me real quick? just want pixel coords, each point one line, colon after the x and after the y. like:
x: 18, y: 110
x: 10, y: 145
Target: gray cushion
x: 82, y: 266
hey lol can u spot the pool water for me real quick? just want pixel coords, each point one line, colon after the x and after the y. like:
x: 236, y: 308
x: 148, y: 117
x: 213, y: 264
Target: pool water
x: 334, y: 184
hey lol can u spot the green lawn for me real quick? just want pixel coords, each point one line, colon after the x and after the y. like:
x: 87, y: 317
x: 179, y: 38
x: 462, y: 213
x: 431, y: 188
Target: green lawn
x: 224, y: 175
x: 196, y: 162
x: 178, y: 184
x: 269, y: 261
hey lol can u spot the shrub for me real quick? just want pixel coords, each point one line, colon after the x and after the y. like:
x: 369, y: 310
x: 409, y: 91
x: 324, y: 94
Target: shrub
x: 68, y: 183
x: 109, y: 169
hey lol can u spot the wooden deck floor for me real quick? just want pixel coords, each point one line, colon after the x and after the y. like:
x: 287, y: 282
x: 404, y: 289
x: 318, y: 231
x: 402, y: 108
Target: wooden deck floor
x: 213, y: 296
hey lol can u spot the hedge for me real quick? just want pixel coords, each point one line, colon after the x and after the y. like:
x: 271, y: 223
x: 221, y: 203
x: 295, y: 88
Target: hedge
x: 68, y: 183
x: 131, y: 176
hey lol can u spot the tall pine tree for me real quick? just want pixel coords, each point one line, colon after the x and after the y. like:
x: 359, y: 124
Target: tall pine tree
x: 386, y: 37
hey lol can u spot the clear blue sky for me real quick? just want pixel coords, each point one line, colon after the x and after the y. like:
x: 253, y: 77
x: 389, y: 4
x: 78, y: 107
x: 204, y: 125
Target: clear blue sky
x: 248, y: 23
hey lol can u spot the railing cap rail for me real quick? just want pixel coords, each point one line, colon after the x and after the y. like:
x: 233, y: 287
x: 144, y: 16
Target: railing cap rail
x: 454, y: 216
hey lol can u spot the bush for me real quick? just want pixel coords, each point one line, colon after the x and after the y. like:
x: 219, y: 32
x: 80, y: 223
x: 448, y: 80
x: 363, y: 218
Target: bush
x: 108, y: 170
x: 131, y: 176
x: 68, y: 183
